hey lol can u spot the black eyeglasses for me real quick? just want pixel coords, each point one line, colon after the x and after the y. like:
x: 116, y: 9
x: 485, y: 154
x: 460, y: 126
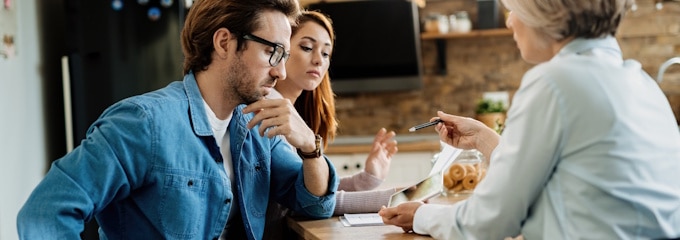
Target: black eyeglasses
x: 277, y: 55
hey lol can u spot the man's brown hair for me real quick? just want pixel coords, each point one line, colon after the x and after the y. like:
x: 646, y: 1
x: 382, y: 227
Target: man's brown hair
x: 239, y: 16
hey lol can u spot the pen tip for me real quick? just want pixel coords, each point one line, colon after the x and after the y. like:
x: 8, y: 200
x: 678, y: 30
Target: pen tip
x: 412, y: 129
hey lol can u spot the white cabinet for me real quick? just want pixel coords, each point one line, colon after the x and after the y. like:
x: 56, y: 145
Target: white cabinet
x: 347, y: 164
x: 407, y: 168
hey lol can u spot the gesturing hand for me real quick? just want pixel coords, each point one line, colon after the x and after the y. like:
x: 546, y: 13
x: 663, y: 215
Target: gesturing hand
x: 380, y: 157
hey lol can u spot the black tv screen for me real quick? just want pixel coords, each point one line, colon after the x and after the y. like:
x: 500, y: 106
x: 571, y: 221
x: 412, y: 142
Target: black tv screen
x: 377, y: 45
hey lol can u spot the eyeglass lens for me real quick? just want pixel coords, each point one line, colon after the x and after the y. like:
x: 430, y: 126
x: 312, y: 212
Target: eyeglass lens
x: 276, y: 56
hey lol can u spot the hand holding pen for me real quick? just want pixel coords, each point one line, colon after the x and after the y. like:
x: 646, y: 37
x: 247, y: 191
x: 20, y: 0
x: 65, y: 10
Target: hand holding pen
x: 424, y: 125
x: 464, y: 132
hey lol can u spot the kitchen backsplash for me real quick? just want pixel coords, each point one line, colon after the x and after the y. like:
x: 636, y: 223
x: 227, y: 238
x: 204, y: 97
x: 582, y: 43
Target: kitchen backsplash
x: 481, y: 64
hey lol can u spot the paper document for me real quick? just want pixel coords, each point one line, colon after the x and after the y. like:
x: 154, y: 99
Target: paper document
x: 361, y: 219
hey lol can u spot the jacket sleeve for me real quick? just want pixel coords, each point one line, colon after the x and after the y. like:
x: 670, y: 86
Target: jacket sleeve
x: 288, y: 186
x: 86, y: 180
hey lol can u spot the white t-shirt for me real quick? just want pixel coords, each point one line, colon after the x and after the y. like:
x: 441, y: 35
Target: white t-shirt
x: 220, y: 130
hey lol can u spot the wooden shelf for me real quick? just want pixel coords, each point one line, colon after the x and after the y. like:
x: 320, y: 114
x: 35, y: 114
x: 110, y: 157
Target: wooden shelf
x: 471, y: 34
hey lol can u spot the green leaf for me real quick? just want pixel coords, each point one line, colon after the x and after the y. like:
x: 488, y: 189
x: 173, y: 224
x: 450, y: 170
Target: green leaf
x: 489, y: 106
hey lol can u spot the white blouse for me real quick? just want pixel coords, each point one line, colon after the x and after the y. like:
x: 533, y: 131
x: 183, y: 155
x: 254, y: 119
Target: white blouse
x: 591, y: 150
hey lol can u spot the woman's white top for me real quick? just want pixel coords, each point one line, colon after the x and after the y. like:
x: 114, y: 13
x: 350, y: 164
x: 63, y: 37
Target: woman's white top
x: 591, y: 150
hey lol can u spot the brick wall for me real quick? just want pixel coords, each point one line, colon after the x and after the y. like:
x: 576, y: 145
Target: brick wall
x: 477, y: 65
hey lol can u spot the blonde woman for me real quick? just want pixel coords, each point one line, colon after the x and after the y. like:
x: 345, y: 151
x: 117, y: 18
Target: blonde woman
x: 590, y: 150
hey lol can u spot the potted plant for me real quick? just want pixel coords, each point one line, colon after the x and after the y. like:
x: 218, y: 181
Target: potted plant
x: 491, y: 113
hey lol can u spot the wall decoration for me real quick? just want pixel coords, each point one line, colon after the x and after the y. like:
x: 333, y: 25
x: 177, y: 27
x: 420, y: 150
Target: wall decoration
x: 8, y: 31
x: 117, y: 5
x: 166, y: 3
x: 154, y: 10
x: 8, y: 51
x: 154, y: 14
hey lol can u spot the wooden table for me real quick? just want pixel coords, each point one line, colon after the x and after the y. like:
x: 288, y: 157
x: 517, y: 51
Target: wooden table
x: 332, y: 228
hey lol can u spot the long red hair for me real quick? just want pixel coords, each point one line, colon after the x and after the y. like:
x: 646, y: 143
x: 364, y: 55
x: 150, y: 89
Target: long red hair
x: 317, y: 107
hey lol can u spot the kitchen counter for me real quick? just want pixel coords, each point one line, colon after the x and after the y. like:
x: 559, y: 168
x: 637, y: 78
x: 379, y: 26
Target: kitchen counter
x: 407, y: 143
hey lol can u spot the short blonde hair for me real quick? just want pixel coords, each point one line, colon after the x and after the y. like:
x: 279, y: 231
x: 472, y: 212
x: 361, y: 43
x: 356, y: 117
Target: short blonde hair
x: 561, y: 19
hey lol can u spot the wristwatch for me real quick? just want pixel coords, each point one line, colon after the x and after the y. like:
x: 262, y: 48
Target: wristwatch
x: 313, y: 154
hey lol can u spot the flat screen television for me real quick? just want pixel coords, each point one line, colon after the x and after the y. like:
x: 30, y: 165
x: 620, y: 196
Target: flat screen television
x: 377, y: 45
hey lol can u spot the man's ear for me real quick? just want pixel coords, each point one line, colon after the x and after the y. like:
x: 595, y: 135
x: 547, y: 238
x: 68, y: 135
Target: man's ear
x: 221, y: 42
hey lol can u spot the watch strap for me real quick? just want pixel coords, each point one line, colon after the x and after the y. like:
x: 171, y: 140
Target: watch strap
x: 313, y: 154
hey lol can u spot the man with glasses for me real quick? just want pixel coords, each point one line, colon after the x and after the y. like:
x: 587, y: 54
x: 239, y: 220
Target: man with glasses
x: 278, y: 54
x: 200, y: 158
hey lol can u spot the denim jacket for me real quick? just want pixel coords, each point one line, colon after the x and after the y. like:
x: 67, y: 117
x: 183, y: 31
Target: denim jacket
x: 150, y: 168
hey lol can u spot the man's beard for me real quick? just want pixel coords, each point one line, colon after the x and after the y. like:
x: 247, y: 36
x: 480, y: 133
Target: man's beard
x: 242, y: 84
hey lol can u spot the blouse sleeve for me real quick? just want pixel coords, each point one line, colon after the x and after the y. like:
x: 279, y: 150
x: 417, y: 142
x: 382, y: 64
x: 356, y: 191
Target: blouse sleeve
x: 521, y: 166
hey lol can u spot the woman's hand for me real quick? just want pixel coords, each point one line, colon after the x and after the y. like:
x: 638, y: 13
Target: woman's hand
x: 401, y: 215
x: 380, y: 157
x: 466, y: 133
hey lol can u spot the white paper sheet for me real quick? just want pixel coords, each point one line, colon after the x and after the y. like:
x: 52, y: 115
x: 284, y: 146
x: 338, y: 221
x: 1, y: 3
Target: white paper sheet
x: 361, y: 219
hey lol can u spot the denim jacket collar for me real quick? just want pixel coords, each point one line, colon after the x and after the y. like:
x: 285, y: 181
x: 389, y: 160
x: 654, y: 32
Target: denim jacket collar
x: 197, y: 112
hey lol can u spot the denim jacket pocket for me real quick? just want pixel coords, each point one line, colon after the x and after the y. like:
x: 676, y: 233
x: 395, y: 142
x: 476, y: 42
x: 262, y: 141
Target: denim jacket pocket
x: 182, y: 204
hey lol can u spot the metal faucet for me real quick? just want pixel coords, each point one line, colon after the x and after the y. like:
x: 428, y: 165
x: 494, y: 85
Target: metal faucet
x: 664, y: 66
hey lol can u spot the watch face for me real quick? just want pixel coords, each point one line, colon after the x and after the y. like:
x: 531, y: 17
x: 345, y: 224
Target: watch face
x: 318, y: 142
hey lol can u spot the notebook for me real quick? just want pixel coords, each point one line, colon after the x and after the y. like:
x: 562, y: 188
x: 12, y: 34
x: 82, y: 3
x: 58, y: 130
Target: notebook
x: 361, y: 219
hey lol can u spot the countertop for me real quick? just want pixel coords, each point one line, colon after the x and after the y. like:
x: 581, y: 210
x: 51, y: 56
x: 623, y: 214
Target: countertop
x: 405, y: 143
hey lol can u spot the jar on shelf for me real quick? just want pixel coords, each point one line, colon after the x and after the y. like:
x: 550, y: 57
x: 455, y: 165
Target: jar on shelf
x: 453, y: 23
x: 466, y: 171
x: 443, y: 22
x: 462, y: 22
x: 436, y: 23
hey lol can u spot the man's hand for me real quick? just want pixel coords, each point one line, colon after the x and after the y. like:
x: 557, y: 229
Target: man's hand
x: 280, y: 118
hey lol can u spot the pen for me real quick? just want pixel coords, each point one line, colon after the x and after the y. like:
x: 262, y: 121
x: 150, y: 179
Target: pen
x: 424, y: 125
